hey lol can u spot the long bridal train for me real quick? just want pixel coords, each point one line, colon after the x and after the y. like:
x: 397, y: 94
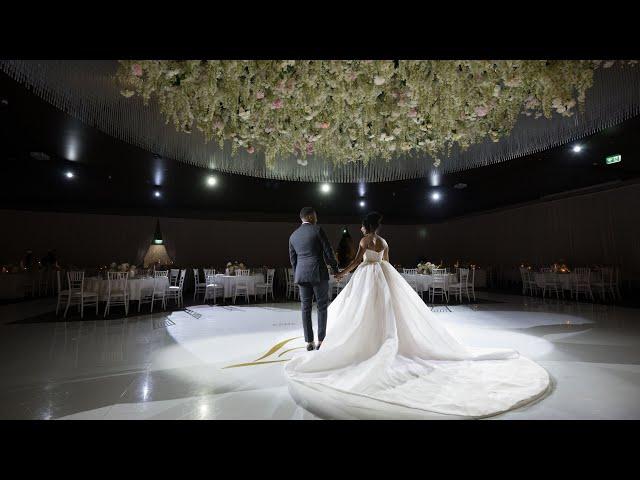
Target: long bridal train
x: 386, y: 355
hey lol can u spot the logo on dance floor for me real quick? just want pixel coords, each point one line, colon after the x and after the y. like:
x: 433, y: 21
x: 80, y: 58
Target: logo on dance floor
x: 272, y: 351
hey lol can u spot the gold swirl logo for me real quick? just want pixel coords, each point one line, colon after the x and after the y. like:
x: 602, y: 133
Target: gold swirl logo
x: 272, y: 351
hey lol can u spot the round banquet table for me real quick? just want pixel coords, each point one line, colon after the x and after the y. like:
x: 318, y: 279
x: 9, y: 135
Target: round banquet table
x: 229, y: 282
x: 566, y: 280
x: 12, y: 285
x: 424, y: 281
x: 135, y: 285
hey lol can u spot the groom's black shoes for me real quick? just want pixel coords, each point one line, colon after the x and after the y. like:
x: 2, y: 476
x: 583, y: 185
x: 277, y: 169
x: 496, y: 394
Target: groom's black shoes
x: 310, y: 346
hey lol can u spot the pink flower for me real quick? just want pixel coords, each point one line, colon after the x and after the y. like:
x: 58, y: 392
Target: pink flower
x: 481, y: 111
x: 260, y: 95
x: 251, y: 149
x: 136, y: 69
x: 413, y: 113
x: 323, y: 125
x: 309, y: 148
x: 276, y: 104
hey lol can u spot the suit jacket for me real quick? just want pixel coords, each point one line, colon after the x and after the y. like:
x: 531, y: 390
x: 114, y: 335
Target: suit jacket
x: 310, y: 252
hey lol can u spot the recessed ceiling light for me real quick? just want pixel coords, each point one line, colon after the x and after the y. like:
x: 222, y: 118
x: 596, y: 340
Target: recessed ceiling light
x: 325, y: 188
x: 577, y: 148
x: 69, y: 174
x: 211, y: 180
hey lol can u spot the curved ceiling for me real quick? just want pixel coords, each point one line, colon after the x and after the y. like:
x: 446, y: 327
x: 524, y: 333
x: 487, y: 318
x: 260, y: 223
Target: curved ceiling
x: 112, y: 176
x: 86, y: 90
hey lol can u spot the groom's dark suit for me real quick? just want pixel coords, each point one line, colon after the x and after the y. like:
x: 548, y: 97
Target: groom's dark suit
x: 310, y: 252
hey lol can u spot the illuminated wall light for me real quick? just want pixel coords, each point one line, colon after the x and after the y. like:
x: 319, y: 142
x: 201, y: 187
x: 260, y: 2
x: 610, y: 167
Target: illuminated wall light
x: 325, y: 188
x: 435, y: 179
x: 71, y: 150
x: 435, y: 196
x: 577, y: 148
x: 211, y: 180
x: 362, y: 203
x: 69, y: 174
x: 157, y: 194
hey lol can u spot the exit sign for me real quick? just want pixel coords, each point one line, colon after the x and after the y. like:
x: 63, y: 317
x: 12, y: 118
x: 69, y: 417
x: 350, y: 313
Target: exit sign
x: 614, y: 159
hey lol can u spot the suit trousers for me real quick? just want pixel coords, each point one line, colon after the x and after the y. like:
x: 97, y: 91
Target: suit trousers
x: 321, y: 292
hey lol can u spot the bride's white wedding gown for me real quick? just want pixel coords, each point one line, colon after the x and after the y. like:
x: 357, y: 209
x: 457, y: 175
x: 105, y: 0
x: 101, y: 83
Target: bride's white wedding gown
x: 386, y: 355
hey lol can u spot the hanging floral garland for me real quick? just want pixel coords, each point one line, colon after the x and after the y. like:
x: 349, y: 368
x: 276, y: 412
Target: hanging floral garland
x: 356, y: 110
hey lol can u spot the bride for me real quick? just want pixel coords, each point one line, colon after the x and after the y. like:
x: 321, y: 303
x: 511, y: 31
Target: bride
x: 385, y: 355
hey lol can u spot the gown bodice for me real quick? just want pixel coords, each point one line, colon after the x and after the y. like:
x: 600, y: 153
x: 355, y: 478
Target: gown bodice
x: 371, y: 256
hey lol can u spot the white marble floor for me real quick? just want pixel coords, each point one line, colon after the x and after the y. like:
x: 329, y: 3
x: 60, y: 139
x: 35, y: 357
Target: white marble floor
x: 226, y: 362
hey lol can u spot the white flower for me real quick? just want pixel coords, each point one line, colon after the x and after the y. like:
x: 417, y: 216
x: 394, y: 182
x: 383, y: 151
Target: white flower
x: 285, y: 98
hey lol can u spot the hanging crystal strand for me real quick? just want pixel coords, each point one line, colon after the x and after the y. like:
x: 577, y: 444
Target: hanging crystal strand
x: 86, y: 90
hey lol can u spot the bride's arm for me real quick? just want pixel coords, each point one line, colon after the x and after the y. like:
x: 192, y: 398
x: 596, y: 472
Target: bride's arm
x: 354, y: 263
x: 385, y: 255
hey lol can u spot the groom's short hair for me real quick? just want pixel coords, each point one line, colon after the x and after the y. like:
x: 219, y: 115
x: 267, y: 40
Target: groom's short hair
x: 306, y: 211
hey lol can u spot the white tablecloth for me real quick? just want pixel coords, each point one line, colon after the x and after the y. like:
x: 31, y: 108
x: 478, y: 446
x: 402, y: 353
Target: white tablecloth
x: 100, y: 285
x: 566, y: 279
x: 424, y: 281
x: 229, y: 282
x: 12, y: 285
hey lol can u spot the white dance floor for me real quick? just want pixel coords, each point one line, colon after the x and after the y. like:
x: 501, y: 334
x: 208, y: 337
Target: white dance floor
x: 226, y: 362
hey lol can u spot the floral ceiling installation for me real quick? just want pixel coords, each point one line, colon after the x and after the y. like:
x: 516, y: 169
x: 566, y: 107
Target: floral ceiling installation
x: 357, y: 111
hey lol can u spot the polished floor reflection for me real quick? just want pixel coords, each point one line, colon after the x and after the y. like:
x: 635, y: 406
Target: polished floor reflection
x: 226, y: 362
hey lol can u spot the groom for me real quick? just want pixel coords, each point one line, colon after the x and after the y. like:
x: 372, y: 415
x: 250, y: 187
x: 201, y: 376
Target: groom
x: 309, y: 251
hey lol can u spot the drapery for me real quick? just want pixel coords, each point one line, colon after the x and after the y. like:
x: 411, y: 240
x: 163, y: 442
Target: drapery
x: 594, y: 228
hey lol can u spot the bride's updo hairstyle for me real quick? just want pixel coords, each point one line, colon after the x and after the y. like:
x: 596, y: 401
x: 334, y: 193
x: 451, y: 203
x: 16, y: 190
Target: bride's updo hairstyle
x: 371, y: 222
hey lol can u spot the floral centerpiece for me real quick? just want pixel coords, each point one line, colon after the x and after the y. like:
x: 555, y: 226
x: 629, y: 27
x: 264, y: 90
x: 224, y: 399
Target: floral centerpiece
x: 426, y: 268
x: 560, y: 267
x: 232, y: 267
x: 122, y: 267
